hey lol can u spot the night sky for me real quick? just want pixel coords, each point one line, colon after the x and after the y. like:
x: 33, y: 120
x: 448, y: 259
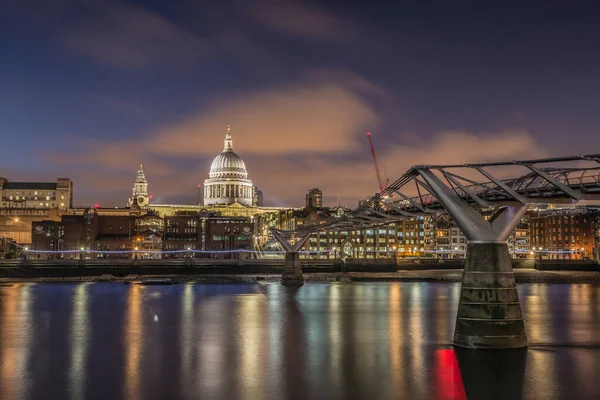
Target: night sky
x: 91, y: 89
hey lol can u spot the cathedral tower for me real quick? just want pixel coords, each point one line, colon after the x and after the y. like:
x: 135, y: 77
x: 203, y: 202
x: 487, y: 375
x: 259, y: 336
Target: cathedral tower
x: 140, y: 190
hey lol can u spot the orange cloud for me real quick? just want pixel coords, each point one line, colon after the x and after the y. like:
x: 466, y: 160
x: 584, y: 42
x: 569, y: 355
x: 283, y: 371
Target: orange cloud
x: 319, y: 117
x: 355, y: 178
x: 292, y: 137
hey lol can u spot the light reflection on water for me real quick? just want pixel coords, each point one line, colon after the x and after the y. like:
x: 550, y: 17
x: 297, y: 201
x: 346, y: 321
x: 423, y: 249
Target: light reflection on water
x: 322, y: 341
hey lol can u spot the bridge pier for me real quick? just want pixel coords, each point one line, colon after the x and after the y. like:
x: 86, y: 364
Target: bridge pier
x: 292, y: 268
x: 489, y: 312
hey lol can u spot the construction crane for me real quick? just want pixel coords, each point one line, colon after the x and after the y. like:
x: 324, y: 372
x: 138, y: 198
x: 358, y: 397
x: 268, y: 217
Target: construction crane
x: 380, y: 182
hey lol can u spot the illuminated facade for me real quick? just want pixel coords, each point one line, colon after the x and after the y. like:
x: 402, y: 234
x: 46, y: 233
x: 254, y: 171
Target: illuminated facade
x: 36, y: 195
x: 228, y: 181
x: 140, y: 190
x: 21, y: 203
x: 227, y: 192
x: 314, y: 197
x: 568, y: 233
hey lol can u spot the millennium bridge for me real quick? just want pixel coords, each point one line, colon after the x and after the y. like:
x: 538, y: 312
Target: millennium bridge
x: 489, y: 312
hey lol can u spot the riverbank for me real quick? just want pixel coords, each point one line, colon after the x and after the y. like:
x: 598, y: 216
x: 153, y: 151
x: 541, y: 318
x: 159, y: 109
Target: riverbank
x: 521, y: 276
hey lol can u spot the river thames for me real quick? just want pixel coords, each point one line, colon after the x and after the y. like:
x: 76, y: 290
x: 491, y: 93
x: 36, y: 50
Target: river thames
x: 255, y: 341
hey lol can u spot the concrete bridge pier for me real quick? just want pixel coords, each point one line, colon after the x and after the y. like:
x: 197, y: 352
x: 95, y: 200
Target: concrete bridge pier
x: 489, y: 312
x: 292, y: 268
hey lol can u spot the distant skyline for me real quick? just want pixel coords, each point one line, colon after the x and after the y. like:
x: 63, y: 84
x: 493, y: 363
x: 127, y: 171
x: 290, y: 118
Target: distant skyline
x: 90, y: 90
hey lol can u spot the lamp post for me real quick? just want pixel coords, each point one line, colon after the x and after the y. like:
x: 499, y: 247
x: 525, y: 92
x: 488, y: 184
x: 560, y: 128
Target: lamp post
x: 225, y: 241
x: 235, y: 231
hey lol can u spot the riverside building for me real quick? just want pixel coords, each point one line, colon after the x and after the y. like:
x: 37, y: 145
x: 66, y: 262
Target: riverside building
x: 21, y: 203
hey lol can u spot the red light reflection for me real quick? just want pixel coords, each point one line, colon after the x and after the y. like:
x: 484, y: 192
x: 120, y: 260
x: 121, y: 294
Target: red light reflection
x: 449, y: 385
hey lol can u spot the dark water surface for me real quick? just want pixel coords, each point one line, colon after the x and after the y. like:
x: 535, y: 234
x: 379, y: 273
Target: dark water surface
x: 323, y: 341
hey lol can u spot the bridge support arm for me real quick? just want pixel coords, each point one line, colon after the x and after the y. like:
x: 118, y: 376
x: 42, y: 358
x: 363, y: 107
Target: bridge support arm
x: 489, y: 312
x: 292, y: 267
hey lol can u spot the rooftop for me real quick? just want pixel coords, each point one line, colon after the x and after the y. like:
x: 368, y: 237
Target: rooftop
x: 29, y: 185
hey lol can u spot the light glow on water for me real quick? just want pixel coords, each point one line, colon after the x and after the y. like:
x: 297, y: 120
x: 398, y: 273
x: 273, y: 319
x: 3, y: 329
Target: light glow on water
x: 246, y: 341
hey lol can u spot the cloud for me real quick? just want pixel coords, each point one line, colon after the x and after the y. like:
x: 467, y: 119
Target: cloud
x: 318, y: 115
x: 456, y: 147
x: 354, y: 177
x: 294, y: 136
x: 124, y: 35
x: 301, y: 19
x: 323, y: 114
x: 130, y: 36
x: 284, y: 180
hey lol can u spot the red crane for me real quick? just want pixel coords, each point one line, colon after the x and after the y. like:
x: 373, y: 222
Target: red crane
x: 382, y: 185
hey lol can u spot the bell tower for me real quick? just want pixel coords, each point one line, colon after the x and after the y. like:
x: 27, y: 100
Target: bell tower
x: 140, y: 190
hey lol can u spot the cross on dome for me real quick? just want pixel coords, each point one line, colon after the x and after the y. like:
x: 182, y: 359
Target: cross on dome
x: 228, y: 141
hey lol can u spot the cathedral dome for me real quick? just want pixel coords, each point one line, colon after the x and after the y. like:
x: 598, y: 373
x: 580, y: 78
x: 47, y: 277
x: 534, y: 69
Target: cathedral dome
x: 228, y: 181
x: 228, y: 163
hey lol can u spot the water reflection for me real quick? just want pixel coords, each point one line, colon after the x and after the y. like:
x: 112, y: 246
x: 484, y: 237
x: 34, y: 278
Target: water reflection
x: 79, y: 338
x: 134, y: 329
x: 334, y: 341
x: 188, y: 323
x: 15, y: 340
x: 492, y: 375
